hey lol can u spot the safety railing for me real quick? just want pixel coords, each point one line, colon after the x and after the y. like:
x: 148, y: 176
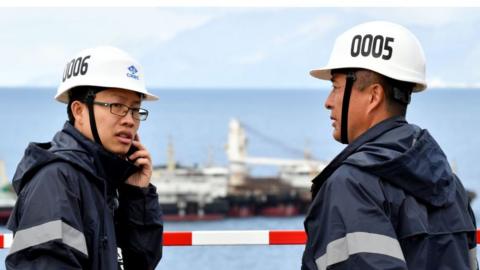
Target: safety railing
x: 252, y: 237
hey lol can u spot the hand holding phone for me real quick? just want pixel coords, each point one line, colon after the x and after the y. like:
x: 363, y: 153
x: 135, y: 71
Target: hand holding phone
x: 140, y: 157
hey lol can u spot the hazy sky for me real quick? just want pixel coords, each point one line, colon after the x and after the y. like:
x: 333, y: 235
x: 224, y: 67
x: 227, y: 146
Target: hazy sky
x: 226, y: 47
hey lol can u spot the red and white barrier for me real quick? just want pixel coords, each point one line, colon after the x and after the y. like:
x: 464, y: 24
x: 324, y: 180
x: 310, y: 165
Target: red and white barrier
x: 215, y: 238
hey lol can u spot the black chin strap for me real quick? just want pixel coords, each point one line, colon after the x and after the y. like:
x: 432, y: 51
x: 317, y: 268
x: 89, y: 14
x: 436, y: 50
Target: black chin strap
x: 93, y: 125
x: 345, y: 104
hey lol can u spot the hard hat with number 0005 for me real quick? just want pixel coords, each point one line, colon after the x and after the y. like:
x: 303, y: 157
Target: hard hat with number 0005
x: 103, y: 66
x: 384, y: 47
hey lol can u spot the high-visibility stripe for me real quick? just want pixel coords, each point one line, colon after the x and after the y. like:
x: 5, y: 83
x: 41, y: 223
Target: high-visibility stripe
x: 172, y: 238
x: 53, y: 230
x: 359, y: 242
x: 473, y: 258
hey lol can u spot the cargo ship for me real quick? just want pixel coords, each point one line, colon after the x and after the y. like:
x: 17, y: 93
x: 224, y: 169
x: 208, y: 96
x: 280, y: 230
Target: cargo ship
x: 215, y: 192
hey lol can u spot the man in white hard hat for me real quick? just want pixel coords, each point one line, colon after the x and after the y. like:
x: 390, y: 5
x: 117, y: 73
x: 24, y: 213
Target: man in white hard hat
x: 84, y: 199
x: 389, y: 200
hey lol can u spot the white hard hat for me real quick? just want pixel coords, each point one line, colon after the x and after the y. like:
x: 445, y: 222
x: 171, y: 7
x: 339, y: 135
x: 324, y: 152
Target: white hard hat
x: 384, y: 47
x: 103, y: 66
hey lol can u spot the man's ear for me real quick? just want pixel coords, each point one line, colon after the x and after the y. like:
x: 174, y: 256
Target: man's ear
x: 376, y: 96
x: 78, y: 112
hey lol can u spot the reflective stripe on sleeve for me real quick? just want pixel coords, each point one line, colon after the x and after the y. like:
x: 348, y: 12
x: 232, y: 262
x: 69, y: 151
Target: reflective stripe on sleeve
x: 53, y: 230
x: 473, y: 259
x: 359, y: 242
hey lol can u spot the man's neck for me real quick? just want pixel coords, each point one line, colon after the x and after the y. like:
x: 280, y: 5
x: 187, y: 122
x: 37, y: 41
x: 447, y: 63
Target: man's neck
x: 373, y: 120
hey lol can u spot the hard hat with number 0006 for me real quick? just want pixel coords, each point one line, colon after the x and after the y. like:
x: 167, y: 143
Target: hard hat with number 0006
x: 384, y: 47
x: 103, y: 66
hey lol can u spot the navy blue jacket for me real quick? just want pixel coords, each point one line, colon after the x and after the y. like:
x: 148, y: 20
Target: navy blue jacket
x: 74, y: 209
x: 390, y: 201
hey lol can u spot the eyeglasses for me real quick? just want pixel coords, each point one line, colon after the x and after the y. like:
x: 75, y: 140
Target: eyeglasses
x: 122, y: 110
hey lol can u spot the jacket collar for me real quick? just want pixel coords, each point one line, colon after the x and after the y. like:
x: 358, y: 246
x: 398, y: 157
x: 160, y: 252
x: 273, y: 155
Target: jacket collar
x: 92, y: 156
x: 370, y: 135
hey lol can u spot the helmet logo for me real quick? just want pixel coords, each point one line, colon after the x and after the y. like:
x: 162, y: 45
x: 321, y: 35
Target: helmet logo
x: 378, y: 46
x: 132, y: 72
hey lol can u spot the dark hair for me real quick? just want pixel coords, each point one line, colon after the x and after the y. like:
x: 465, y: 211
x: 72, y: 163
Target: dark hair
x: 79, y: 93
x: 397, y: 92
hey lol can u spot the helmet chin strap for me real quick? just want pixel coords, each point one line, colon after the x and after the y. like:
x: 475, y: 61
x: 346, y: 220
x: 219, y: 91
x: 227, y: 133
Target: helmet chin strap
x: 93, y: 125
x: 345, y: 104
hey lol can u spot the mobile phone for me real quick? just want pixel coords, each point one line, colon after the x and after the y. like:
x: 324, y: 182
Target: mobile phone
x: 132, y: 150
